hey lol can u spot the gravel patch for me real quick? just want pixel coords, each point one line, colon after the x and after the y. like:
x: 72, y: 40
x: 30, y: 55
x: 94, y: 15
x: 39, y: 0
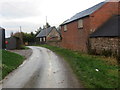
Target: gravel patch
x: 26, y: 53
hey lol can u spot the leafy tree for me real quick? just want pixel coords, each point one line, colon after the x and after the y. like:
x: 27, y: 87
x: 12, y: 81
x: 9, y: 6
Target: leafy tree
x: 27, y: 37
x: 47, y: 25
x: 18, y: 35
x: 38, y: 31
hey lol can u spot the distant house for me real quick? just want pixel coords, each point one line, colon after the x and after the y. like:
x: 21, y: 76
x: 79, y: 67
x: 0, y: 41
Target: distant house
x: 49, y: 34
x: 76, y: 30
x: 2, y: 38
x: 106, y: 39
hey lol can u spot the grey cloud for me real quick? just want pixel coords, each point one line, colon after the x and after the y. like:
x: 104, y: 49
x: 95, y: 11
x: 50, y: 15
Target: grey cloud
x: 17, y: 24
x: 18, y: 9
x: 14, y: 27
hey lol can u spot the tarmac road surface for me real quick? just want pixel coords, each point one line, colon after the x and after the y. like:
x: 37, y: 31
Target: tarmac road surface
x: 43, y: 69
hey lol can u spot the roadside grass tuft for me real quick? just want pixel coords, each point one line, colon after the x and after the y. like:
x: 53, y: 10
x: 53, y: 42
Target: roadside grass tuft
x: 10, y: 61
x: 24, y: 47
x: 92, y: 71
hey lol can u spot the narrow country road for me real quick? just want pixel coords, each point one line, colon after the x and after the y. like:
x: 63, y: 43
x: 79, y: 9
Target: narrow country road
x: 44, y: 69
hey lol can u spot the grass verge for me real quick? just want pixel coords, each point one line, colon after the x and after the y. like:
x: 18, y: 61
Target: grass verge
x: 92, y: 71
x: 10, y: 61
x: 24, y: 47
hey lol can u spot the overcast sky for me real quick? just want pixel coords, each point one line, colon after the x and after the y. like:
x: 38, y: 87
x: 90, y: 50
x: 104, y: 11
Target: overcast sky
x: 31, y: 14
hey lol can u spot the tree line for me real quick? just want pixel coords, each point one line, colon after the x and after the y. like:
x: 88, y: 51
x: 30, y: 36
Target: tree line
x: 29, y: 37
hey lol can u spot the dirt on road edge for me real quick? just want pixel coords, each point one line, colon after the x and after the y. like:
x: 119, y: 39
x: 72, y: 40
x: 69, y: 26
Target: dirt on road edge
x: 26, y: 53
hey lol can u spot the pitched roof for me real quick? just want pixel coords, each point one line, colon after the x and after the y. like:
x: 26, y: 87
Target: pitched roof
x: 110, y: 29
x: 45, y: 32
x: 84, y: 13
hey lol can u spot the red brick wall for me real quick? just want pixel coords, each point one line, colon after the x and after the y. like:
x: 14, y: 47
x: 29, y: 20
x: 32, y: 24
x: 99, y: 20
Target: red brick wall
x: 74, y: 38
x: 78, y: 39
x: 103, y: 14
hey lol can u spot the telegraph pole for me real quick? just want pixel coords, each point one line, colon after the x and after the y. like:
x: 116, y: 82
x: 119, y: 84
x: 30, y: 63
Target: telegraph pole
x: 21, y: 36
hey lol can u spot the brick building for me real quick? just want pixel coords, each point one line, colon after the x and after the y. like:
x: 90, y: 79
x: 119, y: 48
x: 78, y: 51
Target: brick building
x: 76, y: 30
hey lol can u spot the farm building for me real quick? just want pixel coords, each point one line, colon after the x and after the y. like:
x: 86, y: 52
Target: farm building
x: 50, y: 34
x: 13, y: 43
x: 76, y: 30
x: 2, y: 38
x: 106, y: 39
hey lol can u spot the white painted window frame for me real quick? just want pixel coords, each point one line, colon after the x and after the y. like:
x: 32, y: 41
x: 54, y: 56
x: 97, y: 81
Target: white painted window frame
x: 40, y: 39
x: 44, y: 39
x: 80, y: 23
x: 65, y: 28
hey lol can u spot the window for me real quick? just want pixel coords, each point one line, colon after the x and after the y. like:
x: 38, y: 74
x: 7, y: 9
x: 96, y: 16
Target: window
x: 65, y: 27
x: 44, y: 39
x: 40, y: 39
x: 80, y: 23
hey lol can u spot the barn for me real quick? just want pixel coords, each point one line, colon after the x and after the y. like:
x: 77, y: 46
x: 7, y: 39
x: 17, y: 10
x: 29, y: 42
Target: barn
x: 76, y: 30
x: 106, y: 39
